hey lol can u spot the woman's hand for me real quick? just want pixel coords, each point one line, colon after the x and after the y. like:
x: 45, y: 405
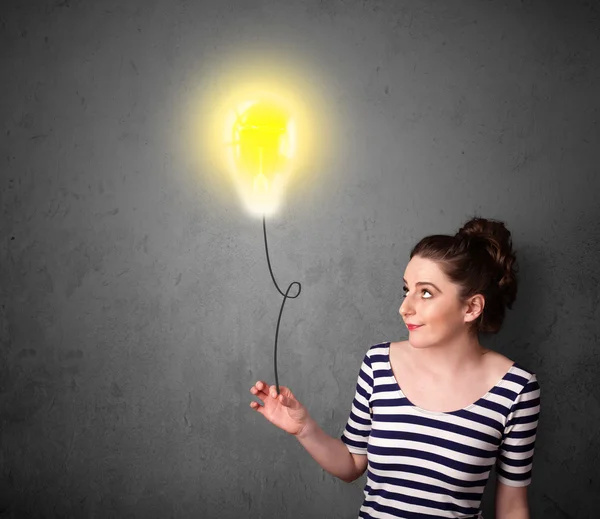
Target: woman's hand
x: 284, y: 410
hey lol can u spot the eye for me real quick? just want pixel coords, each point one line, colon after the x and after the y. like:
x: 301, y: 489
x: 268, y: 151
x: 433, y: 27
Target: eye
x: 422, y: 291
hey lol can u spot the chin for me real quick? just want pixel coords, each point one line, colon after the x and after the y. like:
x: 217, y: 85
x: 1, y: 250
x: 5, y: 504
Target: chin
x: 420, y: 341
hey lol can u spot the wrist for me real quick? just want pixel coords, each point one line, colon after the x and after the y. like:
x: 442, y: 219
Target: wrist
x: 307, y: 429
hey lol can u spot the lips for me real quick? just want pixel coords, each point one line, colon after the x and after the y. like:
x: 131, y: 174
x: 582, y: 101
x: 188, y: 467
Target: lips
x: 413, y: 326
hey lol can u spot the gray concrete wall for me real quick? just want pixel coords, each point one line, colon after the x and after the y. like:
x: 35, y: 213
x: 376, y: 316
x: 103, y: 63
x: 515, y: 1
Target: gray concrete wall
x: 136, y: 304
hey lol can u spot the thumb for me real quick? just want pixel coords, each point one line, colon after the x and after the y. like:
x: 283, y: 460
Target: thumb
x: 287, y: 399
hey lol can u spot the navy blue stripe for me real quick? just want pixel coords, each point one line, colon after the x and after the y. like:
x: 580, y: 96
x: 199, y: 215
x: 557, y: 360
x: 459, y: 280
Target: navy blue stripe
x: 380, y: 388
x: 433, y: 440
x: 523, y: 419
x: 502, y: 391
x: 421, y: 501
x: 362, y: 392
x: 517, y: 379
x: 390, y: 402
x: 379, y: 373
x: 515, y: 463
x: 519, y: 435
x: 410, y: 500
x: 366, y: 378
x: 378, y: 357
x: 358, y: 432
x: 514, y: 477
x: 436, y: 424
x: 426, y: 487
x: 397, y: 513
x: 434, y: 474
x: 436, y: 458
x: 361, y: 407
x: 518, y: 448
x: 526, y: 404
x: 493, y: 406
x: 477, y: 418
x: 532, y: 386
x: 348, y: 441
x: 411, y: 515
x: 362, y: 421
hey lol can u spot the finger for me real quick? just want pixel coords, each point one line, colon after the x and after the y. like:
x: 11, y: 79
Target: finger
x: 262, y: 386
x: 288, y: 400
x: 284, y: 390
x: 273, y: 392
x: 258, y: 392
x: 257, y: 407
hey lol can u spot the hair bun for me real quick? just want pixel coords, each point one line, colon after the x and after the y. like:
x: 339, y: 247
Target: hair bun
x: 485, y: 228
x: 496, y: 239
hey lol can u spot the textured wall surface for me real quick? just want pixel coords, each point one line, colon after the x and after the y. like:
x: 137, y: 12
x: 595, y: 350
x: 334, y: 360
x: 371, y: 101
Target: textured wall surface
x: 136, y: 304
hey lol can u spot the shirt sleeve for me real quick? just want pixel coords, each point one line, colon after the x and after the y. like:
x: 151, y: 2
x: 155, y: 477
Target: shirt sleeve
x: 515, y: 457
x: 358, y: 426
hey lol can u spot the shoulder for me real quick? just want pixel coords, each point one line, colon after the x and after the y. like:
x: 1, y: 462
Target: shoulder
x: 515, y: 371
x: 398, y: 347
x: 381, y: 348
x: 519, y: 380
x: 376, y: 353
x: 496, y: 365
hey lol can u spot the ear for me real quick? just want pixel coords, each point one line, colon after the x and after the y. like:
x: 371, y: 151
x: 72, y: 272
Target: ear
x: 474, y: 307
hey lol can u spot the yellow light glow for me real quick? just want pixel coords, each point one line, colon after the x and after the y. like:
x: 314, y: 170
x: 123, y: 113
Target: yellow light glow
x: 260, y: 140
x: 252, y: 135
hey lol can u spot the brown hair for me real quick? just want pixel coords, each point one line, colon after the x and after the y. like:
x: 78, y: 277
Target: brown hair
x: 479, y: 258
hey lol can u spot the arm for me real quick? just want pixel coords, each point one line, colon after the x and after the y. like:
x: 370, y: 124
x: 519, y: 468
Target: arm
x: 511, y: 502
x: 515, y: 461
x: 331, y: 453
x: 346, y: 457
x: 287, y: 413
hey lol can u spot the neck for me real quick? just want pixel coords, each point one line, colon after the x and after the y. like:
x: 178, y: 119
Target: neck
x: 453, y: 356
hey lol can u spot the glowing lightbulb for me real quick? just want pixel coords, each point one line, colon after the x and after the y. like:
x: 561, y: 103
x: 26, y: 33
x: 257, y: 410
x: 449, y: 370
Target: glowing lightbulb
x: 261, y: 142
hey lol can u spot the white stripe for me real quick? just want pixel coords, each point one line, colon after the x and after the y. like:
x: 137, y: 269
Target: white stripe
x: 500, y: 399
x: 437, y: 433
x: 357, y: 425
x: 448, y: 418
x: 515, y: 470
x: 431, y: 465
x: 427, y: 480
x: 399, y: 505
x: 432, y: 449
x: 517, y: 455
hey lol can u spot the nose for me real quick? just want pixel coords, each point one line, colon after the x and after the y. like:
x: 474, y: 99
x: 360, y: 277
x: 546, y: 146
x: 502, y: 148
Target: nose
x: 405, y: 309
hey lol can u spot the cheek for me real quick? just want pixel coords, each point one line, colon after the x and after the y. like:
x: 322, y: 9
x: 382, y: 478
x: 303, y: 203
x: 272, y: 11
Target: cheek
x: 439, y: 314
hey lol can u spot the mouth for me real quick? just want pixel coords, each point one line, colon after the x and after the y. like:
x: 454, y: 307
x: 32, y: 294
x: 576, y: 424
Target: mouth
x: 412, y: 327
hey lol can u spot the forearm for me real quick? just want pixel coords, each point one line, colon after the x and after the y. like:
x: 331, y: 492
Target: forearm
x: 511, y: 502
x: 331, y: 453
x: 515, y: 514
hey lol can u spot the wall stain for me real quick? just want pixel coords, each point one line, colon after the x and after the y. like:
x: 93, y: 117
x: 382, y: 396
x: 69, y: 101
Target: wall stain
x: 27, y: 352
x: 73, y: 354
x: 115, y: 390
x: 187, y: 421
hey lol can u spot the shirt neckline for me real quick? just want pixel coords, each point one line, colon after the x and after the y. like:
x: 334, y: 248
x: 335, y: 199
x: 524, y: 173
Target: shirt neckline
x: 442, y: 413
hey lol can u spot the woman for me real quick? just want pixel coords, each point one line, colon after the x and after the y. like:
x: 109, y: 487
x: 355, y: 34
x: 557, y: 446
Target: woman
x: 433, y: 415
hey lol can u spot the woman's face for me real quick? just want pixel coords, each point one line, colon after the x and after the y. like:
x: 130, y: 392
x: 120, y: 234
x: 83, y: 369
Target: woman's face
x: 432, y: 301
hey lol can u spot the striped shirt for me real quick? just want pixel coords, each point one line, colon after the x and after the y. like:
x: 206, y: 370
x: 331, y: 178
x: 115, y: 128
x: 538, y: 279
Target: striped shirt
x: 424, y: 464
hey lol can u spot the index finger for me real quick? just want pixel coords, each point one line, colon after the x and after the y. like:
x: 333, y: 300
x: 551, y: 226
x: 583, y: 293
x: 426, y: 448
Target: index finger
x: 262, y: 386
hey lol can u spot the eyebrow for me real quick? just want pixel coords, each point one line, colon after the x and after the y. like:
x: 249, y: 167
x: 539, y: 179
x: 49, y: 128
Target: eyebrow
x: 423, y: 283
